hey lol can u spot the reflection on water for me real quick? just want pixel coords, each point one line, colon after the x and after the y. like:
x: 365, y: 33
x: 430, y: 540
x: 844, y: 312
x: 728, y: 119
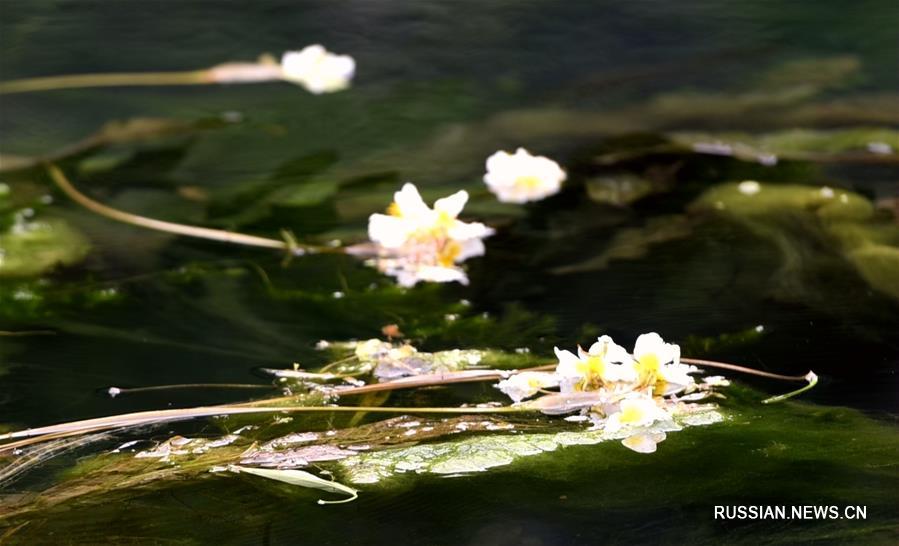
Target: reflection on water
x: 621, y: 94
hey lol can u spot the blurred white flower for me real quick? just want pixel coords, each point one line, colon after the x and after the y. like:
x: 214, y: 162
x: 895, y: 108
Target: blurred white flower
x: 526, y: 384
x: 317, y: 69
x: 604, y: 363
x: 658, y: 365
x: 417, y: 243
x: 749, y: 187
x: 522, y: 177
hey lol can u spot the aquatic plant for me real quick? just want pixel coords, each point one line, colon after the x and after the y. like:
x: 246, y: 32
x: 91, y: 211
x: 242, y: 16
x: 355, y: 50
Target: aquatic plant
x: 314, y: 68
x: 614, y: 395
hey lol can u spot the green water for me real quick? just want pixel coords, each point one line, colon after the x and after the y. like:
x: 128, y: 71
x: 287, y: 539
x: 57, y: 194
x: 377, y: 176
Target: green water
x: 598, y: 86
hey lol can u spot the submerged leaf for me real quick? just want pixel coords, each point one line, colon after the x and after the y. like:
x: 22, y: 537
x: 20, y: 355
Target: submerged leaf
x: 302, y: 479
x: 809, y: 223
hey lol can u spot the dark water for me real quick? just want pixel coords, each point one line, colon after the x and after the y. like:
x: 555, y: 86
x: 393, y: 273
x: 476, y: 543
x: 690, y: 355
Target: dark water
x: 440, y: 86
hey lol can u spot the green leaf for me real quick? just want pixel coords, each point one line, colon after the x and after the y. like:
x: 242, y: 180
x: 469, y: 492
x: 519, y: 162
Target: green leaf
x: 31, y: 248
x: 798, y: 144
x: 483, y: 452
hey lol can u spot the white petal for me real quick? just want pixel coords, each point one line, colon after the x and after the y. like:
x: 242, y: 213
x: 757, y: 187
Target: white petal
x: 497, y: 162
x: 442, y: 274
x: 296, y: 64
x: 643, y: 442
x: 453, y: 204
x: 470, y: 249
x: 410, y: 202
x: 568, y: 364
x: 648, y: 343
x: 388, y: 231
x: 462, y: 231
x: 652, y: 343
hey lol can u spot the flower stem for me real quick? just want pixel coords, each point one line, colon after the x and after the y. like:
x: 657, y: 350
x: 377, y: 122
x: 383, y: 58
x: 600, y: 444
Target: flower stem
x: 115, y: 391
x: 743, y: 369
x: 28, y: 85
x: 160, y: 416
x: 294, y: 248
x: 812, y: 379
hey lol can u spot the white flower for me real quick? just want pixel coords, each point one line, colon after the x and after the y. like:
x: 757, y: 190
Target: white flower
x: 658, y: 364
x: 522, y: 177
x: 417, y: 243
x: 636, y: 412
x: 526, y: 384
x: 317, y: 69
x: 604, y: 363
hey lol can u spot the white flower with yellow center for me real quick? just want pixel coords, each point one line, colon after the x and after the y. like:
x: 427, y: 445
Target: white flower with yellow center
x: 636, y: 412
x: 604, y: 364
x: 522, y: 177
x: 317, y: 69
x: 526, y: 384
x: 658, y: 365
x: 417, y: 243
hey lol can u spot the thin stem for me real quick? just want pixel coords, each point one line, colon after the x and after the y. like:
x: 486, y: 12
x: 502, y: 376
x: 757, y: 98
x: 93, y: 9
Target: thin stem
x: 115, y: 391
x: 73, y: 81
x: 59, y: 178
x: 743, y: 369
x: 469, y: 376
x: 27, y: 333
x: 812, y: 379
x: 158, y: 416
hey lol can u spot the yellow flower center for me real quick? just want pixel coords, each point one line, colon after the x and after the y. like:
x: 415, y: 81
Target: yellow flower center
x: 527, y: 182
x: 592, y: 369
x: 447, y: 255
x: 649, y: 371
x: 632, y: 413
x: 395, y: 210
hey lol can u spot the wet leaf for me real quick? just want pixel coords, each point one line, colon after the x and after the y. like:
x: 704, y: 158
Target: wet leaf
x: 618, y: 190
x: 859, y: 144
x: 33, y: 247
x: 480, y: 453
x: 300, y: 478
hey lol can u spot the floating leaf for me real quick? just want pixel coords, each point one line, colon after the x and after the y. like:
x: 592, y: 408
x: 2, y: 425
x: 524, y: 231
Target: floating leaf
x: 622, y: 189
x: 480, y: 453
x: 872, y: 143
x: 32, y: 247
x: 302, y: 479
